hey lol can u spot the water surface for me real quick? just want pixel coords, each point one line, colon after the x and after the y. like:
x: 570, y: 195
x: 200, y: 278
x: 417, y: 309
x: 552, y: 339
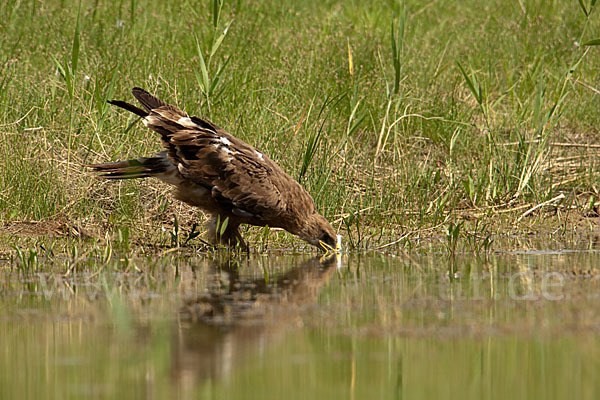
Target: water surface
x: 517, y: 326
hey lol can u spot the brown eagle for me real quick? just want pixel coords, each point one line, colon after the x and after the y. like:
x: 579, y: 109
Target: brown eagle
x: 227, y: 178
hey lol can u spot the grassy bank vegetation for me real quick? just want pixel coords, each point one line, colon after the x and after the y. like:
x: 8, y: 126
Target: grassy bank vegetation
x: 403, y: 119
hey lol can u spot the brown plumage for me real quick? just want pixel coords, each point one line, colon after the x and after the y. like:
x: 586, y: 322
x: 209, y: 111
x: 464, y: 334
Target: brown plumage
x: 221, y: 174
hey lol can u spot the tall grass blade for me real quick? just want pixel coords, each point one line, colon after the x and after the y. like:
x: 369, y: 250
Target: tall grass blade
x: 132, y: 12
x: 354, y: 121
x: 223, y: 226
x: 219, y: 40
x: 585, y: 11
x: 380, y: 139
x: 313, y: 141
x: 216, y: 10
x: 394, y: 55
x: 397, y: 47
x: 350, y: 62
x: 205, y: 81
x: 217, y: 80
x: 593, y: 42
x: 75, y: 47
x: 473, y: 85
x: 537, y: 105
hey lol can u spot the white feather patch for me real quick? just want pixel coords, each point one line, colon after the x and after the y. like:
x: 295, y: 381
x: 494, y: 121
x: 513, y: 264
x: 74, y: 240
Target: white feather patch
x: 180, y: 167
x: 149, y: 120
x: 259, y: 155
x: 187, y: 122
x: 224, y: 140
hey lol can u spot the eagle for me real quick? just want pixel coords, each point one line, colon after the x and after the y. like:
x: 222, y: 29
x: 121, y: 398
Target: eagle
x: 231, y: 181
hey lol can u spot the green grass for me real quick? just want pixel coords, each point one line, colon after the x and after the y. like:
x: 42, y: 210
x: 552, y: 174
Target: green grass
x: 452, y: 110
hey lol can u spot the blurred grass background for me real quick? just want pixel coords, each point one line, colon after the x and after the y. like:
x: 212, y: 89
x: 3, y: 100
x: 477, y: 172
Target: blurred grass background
x: 400, y: 118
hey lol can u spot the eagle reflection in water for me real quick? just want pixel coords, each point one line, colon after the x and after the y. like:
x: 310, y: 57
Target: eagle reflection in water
x: 239, y: 317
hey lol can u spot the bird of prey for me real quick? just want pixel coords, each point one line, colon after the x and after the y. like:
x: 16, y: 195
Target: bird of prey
x: 228, y: 179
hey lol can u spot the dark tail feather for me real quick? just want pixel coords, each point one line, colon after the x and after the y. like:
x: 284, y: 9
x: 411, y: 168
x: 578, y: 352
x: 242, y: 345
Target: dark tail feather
x: 143, y: 167
x: 129, y: 107
x: 147, y: 100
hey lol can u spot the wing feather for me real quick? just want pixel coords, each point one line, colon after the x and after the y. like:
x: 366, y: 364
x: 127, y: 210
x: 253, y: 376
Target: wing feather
x: 149, y: 101
x: 241, y: 179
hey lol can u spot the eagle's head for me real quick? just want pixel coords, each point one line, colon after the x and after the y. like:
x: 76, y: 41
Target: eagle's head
x: 318, y: 230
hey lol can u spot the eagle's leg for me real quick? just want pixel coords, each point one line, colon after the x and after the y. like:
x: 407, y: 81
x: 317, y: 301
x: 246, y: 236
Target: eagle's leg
x: 230, y: 237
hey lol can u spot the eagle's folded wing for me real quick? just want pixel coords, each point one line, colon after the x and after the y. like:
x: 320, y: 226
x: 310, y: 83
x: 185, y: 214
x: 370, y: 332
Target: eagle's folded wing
x: 239, y: 177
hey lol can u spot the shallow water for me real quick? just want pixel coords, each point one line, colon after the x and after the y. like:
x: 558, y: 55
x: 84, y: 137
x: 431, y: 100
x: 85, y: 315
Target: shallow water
x: 519, y: 326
